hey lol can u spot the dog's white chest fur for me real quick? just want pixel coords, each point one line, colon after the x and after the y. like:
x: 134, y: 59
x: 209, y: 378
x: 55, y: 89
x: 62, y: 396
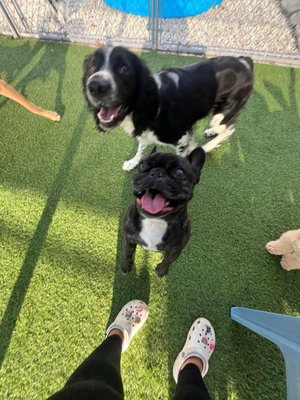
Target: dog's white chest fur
x: 153, y: 230
x: 127, y: 125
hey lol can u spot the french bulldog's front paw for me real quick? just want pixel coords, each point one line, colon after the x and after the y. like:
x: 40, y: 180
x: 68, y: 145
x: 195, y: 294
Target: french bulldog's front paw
x: 161, y: 270
x: 130, y: 164
x: 126, y: 267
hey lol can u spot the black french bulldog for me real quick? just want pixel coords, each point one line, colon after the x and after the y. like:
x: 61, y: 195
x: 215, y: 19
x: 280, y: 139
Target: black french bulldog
x: 158, y: 219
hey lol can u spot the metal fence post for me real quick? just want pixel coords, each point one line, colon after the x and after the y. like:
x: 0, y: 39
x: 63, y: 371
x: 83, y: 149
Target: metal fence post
x: 8, y: 18
x: 154, y: 22
x: 157, y: 19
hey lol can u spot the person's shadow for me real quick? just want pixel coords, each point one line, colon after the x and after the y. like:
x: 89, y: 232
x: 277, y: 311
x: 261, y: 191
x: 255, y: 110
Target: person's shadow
x: 18, y: 293
x: 24, y: 63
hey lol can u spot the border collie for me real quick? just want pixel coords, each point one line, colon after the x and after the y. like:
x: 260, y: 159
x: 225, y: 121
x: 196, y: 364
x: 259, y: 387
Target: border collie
x: 162, y: 108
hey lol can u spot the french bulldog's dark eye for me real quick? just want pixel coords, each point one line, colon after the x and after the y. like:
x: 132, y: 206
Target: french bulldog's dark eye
x: 180, y: 173
x: 141, y: 166
x: 123, y: 69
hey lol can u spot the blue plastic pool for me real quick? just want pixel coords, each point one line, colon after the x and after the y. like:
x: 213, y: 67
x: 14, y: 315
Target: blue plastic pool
x: 167, y: 8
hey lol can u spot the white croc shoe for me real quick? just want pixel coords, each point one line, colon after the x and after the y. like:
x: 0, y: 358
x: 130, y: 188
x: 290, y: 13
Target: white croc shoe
x: 200, y: 343
x: 130, y: 320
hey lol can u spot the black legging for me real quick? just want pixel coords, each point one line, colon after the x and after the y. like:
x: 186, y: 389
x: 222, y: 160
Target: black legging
x: 99, y: 377
x: 190, y: 385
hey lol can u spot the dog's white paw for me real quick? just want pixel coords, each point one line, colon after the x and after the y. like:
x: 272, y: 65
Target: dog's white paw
x: 130, y: 164
x: 284, y: 263
x: 290, y: 261
x: 274, y: 248
x: 208, y: 133
x: 56, y: 116
x: 230, y: 130
x: 216, y: 119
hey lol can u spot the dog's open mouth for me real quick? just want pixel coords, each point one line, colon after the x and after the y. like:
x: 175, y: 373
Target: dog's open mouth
x: 110, y: 117
x: 153, y: 202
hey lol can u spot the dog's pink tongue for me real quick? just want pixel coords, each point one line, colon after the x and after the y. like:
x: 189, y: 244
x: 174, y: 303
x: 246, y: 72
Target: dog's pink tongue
x: 108, y: 113
x: 152, y: 205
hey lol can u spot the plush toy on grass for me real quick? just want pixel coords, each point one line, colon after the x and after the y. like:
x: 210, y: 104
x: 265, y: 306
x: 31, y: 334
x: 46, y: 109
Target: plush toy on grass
x: 288, y: 246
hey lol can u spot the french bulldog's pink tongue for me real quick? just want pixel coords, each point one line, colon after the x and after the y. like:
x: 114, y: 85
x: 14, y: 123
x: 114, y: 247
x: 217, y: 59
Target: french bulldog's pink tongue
x: 108, y: 113
x: 153, y: 205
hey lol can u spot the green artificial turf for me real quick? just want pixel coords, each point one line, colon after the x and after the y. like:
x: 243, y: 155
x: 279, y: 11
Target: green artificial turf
x: 62, y: 198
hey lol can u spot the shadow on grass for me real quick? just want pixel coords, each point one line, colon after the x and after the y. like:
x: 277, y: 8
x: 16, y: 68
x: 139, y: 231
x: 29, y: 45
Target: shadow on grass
x: 128, y: 286
x: 15, y: 58
x: 278, y: 95
x: 52, y: 57
x: 21, y: 286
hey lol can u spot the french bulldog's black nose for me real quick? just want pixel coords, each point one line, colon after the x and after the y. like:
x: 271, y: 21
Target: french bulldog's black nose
x: 99, y: 86
x: 157, y: 173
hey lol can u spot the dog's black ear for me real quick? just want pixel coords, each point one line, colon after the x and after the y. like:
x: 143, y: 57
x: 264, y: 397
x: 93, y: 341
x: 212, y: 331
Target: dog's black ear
x: 197, y: 160
x: 86, y: 74
x: 86, y: 65
x: 147, y: 99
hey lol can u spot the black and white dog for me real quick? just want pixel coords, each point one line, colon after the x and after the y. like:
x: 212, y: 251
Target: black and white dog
x: 162, y: 108
x: 158, y: 219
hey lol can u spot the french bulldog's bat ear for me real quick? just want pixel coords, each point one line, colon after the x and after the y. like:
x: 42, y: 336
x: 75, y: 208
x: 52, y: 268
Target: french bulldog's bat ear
x: 197, y: 160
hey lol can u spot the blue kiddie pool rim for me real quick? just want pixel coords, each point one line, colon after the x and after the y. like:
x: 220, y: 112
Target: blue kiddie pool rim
x: 166, y: 8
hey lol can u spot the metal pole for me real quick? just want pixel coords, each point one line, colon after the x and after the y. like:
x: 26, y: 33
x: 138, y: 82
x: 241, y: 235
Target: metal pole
x: 21, y: 15
x: 157, y: 19
x: 9, y: 20
x: 152, y: 21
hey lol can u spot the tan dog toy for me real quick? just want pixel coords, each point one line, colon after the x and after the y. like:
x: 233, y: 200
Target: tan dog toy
x: 288, y: 246
x: 8, y: 91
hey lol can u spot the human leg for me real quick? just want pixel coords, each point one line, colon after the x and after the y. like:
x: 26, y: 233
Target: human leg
x: 99, y: 375
x: 191, y: 364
